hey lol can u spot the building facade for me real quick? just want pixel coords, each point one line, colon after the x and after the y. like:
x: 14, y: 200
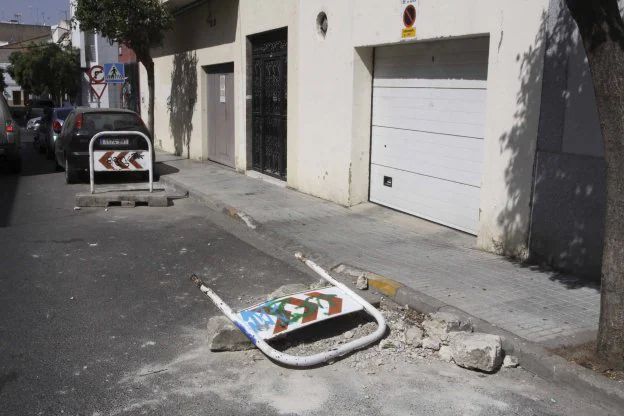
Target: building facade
x: 430, y: 108
x: 15, y: 37
x: 95, y: 50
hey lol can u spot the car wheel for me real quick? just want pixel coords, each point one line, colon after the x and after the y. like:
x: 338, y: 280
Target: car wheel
x: 71, y: 176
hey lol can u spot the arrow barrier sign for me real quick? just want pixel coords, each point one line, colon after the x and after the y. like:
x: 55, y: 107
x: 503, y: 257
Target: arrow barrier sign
x: 116, y: 160
x: 282, y: 315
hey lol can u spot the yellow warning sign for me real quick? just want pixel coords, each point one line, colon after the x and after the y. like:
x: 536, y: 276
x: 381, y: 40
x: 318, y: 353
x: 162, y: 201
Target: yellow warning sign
x: 408, y: 32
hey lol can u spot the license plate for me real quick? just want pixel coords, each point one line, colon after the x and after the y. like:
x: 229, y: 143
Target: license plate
x: 114, y: 142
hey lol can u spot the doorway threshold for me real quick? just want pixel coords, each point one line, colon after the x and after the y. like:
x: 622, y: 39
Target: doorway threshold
x: 274, y: 181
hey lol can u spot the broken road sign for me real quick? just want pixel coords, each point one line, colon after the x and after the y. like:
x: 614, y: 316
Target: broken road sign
x: 98, y: 88
x: 285, y: 314
x: 116, y: 160
x: 115, y: 73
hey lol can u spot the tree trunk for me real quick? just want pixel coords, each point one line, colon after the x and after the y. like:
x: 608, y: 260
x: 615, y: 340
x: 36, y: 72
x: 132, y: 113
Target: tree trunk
x: 602, y: 32
x: 149, y: 67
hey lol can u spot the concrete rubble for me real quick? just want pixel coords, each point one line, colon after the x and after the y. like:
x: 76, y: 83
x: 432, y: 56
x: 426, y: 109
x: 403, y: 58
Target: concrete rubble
x: 288, y: 290
x: 440, y: 325
x: 362, y: 282
x: 412, y: 337
x: 483, y: 352
x: 510, y: 362
x: 224, y: 336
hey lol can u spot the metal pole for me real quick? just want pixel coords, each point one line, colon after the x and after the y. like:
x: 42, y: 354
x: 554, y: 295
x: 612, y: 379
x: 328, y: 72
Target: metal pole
x: 293, y: 360
x: 120, y: 133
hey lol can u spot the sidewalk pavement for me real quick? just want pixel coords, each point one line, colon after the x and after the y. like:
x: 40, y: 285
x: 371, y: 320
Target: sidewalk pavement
x: 543, y: 307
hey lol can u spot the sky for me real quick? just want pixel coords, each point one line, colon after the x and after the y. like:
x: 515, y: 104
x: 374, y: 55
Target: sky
x: 46, y: 12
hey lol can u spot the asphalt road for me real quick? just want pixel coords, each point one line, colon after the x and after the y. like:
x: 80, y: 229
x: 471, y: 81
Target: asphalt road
x: 98, y: 317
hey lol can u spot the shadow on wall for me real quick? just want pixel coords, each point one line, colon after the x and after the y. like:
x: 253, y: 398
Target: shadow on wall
x: 568, y: 191
x: 203, y: 25
x: 567, y: 225
x: 516, y: 142
x: 181, y: 101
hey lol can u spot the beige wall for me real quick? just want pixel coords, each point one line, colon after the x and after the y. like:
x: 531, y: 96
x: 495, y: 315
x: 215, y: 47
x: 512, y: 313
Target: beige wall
x: 329, y: 91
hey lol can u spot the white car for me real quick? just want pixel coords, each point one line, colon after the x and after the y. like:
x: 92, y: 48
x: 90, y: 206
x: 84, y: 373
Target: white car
x: 33, y: 124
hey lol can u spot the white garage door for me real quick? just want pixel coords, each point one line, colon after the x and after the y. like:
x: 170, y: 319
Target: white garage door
x: 428, y: 128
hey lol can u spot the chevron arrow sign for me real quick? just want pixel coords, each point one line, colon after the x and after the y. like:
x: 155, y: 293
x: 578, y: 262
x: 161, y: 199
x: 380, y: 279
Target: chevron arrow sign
x: 282, y: 315
x: 124, y: 160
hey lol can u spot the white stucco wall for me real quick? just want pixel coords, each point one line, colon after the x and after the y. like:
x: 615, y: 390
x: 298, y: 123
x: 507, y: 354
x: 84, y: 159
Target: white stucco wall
x: 329, y: 91
x: 222, y: 42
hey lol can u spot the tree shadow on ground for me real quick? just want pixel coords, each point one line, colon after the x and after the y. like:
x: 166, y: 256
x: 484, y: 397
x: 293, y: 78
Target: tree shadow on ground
x: 182, y: 100
x: 567, y: 197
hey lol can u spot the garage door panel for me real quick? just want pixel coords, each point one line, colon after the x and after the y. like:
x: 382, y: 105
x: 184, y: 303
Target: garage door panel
x: 414, y: 116
x: 428, y: 125
x: 448, y: 203
x: 468, y: 76
x: 442, y: 127
x: 467, y: 100
x: 478, y: 45
x: 446, y: 157
x: 427, y: 59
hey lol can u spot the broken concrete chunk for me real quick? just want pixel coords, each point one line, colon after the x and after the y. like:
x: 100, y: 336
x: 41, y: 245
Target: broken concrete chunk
x: 319, y: 285
x: 386, y: 344
x: 287, y: 290
x: 431, y: 344
x: 362, y: 282
x: 348, y: 335
x: 414, y: 336
x: 510, y: 361
x: 438, y: 325
x: 224, y: 336
x: 445, y: 353
x: 482, y: 352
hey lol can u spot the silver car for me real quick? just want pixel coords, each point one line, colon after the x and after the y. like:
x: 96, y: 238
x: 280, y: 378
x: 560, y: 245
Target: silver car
x: 10, y: 143
x: 33, y: 124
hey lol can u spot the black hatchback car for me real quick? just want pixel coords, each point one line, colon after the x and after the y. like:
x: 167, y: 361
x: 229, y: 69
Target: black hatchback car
x: 72, y: 145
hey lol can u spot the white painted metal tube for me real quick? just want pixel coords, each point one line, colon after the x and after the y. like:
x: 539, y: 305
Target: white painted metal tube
x: 302, y: 361
x: 120, y: 133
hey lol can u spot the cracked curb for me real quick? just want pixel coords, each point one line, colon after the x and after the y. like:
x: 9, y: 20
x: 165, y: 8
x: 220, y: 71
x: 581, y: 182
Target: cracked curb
x: 533, y: 357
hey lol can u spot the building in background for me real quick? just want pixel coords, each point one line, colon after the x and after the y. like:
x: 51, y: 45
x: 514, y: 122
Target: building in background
x: 15, y: 37
x: 130, y: 93
x: 95, y: 50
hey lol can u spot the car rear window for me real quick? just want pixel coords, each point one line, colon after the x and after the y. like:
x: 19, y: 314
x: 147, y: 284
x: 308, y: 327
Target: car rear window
x: 36, y: 112
x: 96, y: 122
x: 62, y: 114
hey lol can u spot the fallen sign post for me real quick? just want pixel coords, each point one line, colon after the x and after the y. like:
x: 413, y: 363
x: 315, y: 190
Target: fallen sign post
x: 278, y: 316
x: 120, y: 160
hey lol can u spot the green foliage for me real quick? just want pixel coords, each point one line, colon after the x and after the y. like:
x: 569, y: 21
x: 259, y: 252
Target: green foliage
x: 47, y: 68
x: 138, y: 24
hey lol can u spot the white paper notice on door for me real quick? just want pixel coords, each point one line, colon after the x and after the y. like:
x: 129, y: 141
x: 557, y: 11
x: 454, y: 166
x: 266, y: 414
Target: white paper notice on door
x: 222, y: 88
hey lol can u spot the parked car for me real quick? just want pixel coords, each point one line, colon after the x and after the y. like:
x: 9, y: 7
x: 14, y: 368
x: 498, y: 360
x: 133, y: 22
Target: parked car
x: 37, y: 103
x: 72, y: 145
x: 33, y: 124
x: 19, y: 115
x: 10, y: 143
x: 50, y: 128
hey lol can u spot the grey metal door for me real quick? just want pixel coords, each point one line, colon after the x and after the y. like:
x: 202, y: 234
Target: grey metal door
x: 269, y: 104
x: 221, y: 114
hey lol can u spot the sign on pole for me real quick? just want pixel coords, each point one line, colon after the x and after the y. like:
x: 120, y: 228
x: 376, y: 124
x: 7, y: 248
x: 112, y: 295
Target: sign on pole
x: 115, y: 73
x: 96, y: 81
x: 96, y: 74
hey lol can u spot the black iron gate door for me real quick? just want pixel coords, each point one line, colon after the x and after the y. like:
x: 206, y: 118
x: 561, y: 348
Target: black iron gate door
x: 269, y: 105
